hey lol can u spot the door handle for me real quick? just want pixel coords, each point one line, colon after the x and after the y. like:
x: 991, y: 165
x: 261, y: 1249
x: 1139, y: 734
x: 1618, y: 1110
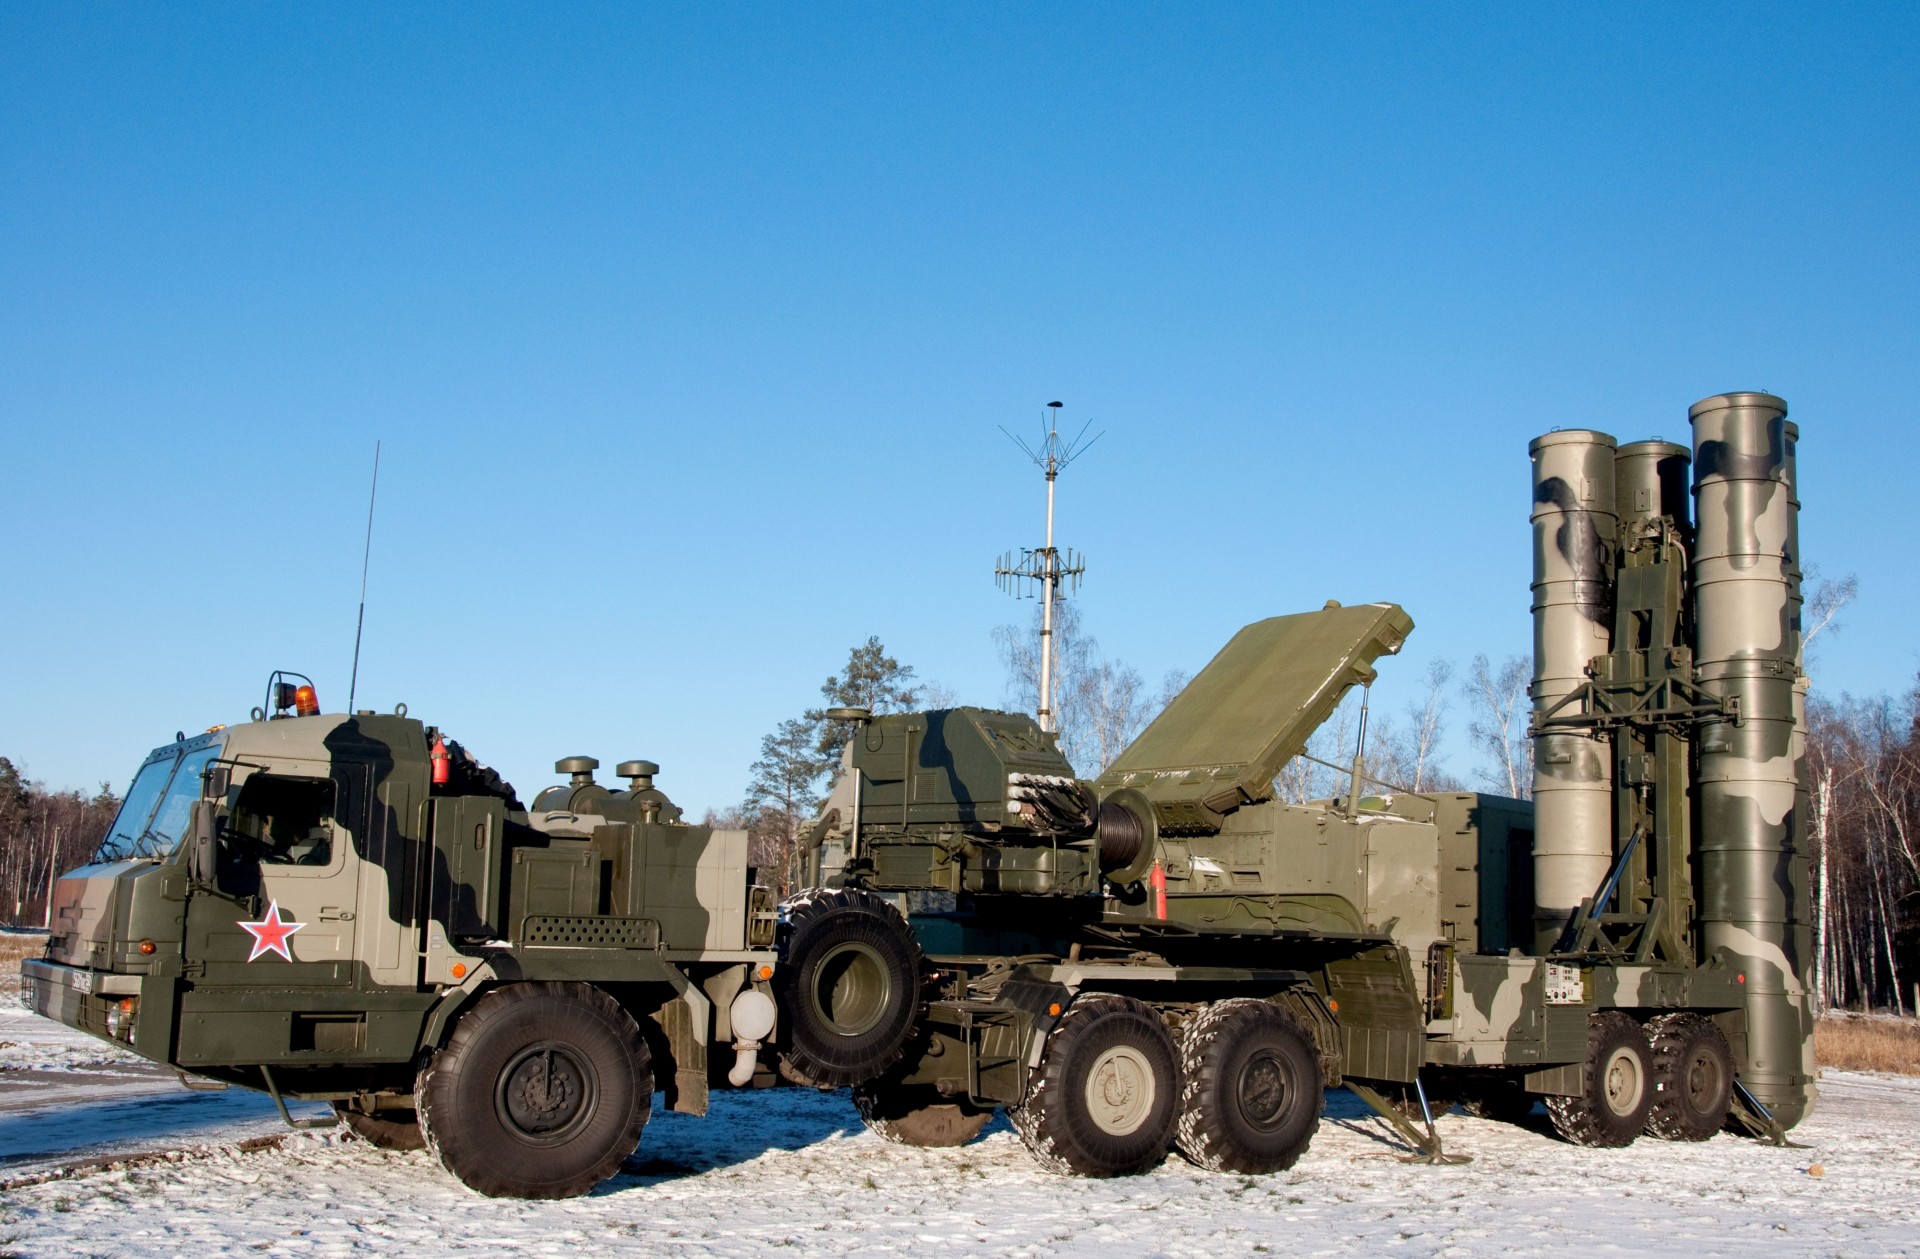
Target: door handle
x: 330, y: 914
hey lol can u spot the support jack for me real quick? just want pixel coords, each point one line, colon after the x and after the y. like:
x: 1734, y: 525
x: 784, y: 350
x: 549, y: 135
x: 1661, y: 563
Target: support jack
x: 1750, y: 1114
x: 1426, y: 1144
x: 273, y: 1091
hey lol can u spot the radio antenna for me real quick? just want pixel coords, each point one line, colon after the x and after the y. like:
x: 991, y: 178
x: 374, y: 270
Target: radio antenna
x: 366, y: 556
x: 1047, y: 566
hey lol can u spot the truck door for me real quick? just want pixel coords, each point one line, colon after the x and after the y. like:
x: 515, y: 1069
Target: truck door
x: 286, y: 864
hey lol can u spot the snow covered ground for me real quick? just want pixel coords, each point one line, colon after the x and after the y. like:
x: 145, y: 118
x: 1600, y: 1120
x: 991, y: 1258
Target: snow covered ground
x: 791, y: 1170
x: 65, y: 1096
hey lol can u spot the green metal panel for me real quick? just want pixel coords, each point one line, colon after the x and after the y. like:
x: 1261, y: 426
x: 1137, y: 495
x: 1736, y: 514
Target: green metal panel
x: 948, y: 766
x: 1252, y: 709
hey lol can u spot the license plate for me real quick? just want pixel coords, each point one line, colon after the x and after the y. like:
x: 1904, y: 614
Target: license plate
x: 83, y: 983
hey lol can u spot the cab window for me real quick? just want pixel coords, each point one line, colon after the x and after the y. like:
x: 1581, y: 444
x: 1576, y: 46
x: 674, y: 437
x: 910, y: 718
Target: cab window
x: 154, y: 814
x: 281, y: 820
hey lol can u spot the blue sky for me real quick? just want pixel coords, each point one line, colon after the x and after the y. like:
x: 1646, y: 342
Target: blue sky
x: 688, y: 332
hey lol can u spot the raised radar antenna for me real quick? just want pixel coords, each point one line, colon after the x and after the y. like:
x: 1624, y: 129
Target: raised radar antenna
x: 1047, y: 566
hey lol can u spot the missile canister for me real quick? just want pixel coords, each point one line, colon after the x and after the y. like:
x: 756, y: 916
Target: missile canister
x: 1751, y: 849
x: 1574, y: 536
x: 1653, y: 478
x: 1803, y: 800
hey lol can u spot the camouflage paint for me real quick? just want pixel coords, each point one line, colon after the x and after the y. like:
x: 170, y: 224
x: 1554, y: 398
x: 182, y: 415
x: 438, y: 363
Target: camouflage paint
x: 1652, y: 663
x: 1751, y: 849
x: 411, y: 910
x: 1575, y: 532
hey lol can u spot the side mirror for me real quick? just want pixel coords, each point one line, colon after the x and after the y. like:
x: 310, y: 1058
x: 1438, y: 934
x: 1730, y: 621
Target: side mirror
x: 215, y: 781
x: 200, y: 859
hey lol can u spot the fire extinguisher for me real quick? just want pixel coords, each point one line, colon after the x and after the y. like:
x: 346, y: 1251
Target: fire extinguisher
x: 1157, y: 881
x: 442, y: 762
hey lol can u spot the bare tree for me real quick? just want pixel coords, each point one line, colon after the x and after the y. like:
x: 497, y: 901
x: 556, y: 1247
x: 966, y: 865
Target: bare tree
x: 1428, y: 720
x: 1826, y: 600
x: 1499, y: 729
x: 1112, y: 710
x: 1863, y: 763
x: 1100, y: 705
x: 1172, y: 683
x: 1019, y: 648
x: 1302, y: 779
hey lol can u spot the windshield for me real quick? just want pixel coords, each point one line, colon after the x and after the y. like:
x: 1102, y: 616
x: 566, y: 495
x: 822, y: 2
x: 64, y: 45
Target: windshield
x: 154, y: 816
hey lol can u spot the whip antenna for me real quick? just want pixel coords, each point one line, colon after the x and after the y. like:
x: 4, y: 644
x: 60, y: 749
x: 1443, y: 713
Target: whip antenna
x: 367, y: 555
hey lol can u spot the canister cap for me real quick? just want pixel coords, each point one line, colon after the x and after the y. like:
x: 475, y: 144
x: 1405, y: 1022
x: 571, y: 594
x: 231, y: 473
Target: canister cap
x: 1570, y: 437
x: 1737, y: 398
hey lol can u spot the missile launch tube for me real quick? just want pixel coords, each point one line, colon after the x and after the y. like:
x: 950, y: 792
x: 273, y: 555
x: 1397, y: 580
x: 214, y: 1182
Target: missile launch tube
x: 1803, y: 801
x: 1751, y: 848
x: 1653, y: 478
x: 1574, y: 534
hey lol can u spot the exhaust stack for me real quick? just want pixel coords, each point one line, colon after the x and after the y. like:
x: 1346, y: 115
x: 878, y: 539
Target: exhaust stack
x: 1751, y: 848
x: 1575, y: 532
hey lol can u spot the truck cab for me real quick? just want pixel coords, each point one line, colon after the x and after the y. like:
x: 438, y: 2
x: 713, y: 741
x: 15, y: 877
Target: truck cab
x: 315, y: 905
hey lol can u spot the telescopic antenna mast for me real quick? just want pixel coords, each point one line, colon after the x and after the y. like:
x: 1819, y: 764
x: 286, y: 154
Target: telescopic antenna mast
x: 1048, y: 566
x: 360, y: 622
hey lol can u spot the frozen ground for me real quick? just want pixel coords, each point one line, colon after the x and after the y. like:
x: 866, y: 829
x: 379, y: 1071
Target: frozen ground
x: 792, y: 1171
x: 65, y: 1096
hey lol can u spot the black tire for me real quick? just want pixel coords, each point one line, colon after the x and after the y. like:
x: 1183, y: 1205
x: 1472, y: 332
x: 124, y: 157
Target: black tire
x: 1692, y: 1078
x: 1106, y: 1097
x: 917, y: 1115
x: 1612, y: 1109
x: 388, y: 1130
x: 850, y: 986
x: 1253, y: 1093
x: 541, y: 1091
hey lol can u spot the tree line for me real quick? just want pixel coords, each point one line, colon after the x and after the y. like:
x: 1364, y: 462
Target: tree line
x: 1863, y: 760
x: 42, y: 834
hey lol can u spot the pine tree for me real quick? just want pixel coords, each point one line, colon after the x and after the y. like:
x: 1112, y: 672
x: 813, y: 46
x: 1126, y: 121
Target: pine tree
x: 872, y: 680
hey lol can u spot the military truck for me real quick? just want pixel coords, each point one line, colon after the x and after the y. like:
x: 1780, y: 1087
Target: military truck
x: 1171, y: 954
x: 350, y: 909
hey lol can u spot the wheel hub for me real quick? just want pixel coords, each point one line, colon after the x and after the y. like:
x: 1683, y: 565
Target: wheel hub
x: 1263, y: 1090
x: 545, y: 1091
x: 1623, y: 1081
x: 1120, y: 1090
x: 1704, y: 1084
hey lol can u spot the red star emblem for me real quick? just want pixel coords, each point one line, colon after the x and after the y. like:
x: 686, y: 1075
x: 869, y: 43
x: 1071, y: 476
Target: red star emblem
x: 270, y: 934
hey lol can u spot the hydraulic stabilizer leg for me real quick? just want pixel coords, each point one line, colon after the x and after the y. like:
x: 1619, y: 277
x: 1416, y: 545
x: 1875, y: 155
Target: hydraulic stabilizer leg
x: 1425, y: 1143
x: 1751, y: 1114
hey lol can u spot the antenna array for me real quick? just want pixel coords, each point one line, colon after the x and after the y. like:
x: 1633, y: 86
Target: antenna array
x: 1048, y: 566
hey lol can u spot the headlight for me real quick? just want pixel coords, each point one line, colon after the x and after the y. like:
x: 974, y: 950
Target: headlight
x: 120, y: 1019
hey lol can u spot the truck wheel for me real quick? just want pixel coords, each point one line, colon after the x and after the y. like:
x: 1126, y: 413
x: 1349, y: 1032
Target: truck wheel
x: 849, y: 985
x: 1612, y: 1108
x: 1253, y: 1094
x: 1107, y: 1093
x: 388, y: 1130
x: 913, y: 1115
x: 1692, y: 1078
x: 541, y: 1091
